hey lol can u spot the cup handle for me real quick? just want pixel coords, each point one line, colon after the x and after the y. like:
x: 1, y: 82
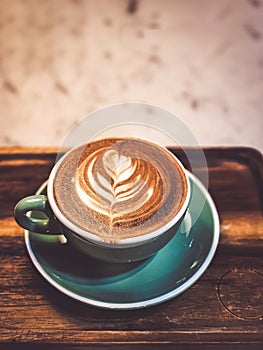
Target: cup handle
x: 34, y: 224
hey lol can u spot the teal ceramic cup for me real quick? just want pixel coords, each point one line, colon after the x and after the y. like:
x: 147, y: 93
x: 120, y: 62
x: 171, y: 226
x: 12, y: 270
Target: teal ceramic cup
x: 40, y: 214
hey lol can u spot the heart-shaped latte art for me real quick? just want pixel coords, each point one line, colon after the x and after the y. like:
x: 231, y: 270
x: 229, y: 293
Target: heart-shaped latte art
x: 119, y: 189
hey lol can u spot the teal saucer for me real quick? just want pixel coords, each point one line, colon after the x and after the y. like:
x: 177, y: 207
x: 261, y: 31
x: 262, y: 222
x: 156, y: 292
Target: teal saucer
x: 136, y: 285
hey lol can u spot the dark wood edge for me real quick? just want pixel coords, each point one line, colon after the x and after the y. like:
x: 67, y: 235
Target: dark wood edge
x: 249, y: 156
x: 28, y: 149
x: 138, y: 346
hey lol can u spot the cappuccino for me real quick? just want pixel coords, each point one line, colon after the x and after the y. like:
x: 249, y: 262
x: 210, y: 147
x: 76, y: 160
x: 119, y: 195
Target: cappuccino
x: 119, y: 188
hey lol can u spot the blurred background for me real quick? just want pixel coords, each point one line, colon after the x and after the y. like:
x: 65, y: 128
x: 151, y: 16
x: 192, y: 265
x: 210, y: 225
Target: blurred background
x: 62, y: 59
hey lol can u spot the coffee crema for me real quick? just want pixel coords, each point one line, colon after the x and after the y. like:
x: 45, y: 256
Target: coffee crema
x: 119, y: 188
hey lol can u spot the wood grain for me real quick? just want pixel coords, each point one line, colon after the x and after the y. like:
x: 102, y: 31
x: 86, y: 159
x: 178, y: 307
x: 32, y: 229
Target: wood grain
x: 224, y: 309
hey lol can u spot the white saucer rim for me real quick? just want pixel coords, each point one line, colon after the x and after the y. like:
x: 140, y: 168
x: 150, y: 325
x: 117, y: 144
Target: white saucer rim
x: 145, y: 303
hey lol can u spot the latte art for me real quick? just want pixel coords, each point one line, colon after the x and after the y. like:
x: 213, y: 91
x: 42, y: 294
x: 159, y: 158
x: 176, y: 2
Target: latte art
x: 122, y: 190
x: 119, y: 188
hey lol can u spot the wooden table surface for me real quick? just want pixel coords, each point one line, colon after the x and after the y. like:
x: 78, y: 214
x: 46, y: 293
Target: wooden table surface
x: 223, y: 309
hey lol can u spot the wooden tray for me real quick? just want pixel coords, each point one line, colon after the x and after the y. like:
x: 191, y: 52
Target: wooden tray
x: 223, y: 309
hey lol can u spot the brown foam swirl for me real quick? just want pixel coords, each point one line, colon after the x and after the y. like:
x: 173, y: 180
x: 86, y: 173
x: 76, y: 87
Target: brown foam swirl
x: 119, y: 189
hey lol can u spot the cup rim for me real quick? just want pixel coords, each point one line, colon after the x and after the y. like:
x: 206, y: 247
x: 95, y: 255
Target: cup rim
x: 125, y: 242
